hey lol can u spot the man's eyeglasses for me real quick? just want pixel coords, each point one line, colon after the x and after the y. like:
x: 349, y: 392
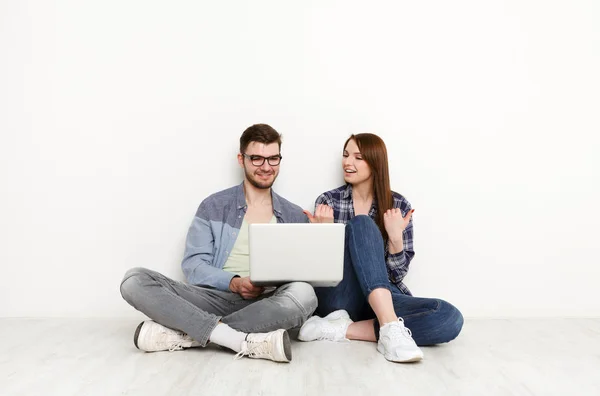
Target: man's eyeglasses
x: 259, y: 160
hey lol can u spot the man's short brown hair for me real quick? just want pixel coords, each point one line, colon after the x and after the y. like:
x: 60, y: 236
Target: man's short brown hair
x: 261, y: 133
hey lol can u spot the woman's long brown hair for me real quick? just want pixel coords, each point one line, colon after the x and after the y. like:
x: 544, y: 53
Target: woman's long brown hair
x: 373, y: 150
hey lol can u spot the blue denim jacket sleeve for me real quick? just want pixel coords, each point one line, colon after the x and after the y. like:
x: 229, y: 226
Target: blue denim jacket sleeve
x: 198, y: 261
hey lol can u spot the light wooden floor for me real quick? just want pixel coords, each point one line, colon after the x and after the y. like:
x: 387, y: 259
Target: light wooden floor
x: 491, y: 357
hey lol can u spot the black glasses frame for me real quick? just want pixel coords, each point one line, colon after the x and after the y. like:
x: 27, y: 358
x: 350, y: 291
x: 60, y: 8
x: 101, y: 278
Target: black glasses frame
x: 259, y: 160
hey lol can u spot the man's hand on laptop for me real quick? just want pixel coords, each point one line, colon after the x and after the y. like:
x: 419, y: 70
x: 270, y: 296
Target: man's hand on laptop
x: 245, y: 288
x: 323, y: 214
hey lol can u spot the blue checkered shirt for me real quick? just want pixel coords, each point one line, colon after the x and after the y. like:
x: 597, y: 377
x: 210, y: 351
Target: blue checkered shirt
x: 397, y: 264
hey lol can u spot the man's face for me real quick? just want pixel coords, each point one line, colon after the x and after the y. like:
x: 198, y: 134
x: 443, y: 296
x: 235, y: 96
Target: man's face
x: 262, y: 176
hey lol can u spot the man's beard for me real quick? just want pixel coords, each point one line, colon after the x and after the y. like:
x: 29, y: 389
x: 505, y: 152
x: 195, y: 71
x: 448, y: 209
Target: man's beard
x: 257, y: 183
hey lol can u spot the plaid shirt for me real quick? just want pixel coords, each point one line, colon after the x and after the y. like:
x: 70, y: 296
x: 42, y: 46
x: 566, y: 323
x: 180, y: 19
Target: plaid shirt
x: 340, y: 200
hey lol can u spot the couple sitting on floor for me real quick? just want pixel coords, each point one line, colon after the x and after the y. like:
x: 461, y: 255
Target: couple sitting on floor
x: 220, y: 304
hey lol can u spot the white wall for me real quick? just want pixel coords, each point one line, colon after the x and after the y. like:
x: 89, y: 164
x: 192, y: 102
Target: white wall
x: 118, y: 117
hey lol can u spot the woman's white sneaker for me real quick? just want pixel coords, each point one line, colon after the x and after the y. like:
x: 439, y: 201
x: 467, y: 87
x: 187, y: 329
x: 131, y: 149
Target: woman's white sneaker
x: 396, y: 343
x: 332, y: 327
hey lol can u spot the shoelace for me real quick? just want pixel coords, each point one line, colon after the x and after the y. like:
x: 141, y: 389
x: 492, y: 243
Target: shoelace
x: 400, y: 330
x: 176, y: 346
x: 256, y: 348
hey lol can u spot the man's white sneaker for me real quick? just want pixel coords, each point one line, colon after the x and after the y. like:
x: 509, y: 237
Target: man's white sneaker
x: 275, y: 346
x: 396, y: 343
x: 331, y: 328
x: 153, y: 337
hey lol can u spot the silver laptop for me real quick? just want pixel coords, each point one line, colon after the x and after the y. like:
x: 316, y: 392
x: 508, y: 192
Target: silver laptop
x: 282, y: 253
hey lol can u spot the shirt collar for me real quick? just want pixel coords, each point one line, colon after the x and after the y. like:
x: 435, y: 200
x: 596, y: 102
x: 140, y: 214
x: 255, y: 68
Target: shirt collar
x: 276, y: 203
x: 241, y: 199
x: 346, y: 192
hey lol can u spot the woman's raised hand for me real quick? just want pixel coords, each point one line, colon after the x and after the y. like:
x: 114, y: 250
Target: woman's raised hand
x: 395, y: 224
x: 323, y: 214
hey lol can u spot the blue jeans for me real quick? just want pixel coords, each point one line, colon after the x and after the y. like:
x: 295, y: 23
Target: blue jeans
x: 431, y: 321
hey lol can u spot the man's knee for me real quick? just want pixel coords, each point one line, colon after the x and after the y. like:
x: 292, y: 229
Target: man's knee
x: 132, y: 282
x: 303, y: 297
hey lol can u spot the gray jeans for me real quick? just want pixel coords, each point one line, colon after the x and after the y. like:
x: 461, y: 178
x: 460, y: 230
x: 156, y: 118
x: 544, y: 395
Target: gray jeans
x: 197, y: 310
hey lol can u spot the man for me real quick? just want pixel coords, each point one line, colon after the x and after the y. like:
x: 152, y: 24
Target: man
x: 220, y: 304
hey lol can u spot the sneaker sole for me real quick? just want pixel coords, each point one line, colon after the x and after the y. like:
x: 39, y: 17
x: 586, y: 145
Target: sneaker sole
x: 408, y: 359
x: 287, y: 346
x: 136, y: 335
x: 141, y: 334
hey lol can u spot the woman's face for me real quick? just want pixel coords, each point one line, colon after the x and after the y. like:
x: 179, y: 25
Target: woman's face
x: 356, y: 169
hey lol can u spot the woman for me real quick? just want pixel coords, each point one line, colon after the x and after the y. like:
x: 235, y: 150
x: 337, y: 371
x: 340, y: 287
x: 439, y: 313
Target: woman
x: 371, y: 303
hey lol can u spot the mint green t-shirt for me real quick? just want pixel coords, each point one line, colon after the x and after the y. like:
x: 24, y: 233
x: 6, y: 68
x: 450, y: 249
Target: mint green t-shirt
x: 238, y: 261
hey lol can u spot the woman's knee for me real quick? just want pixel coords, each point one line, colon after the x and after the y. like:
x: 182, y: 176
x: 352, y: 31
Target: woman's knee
x: 456, y: 321
x: 362, y: 221
x: 451, y: 322
x: 362, y: 228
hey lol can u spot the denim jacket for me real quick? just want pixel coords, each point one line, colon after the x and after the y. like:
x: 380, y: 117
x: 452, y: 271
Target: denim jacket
x: 213, y: 232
